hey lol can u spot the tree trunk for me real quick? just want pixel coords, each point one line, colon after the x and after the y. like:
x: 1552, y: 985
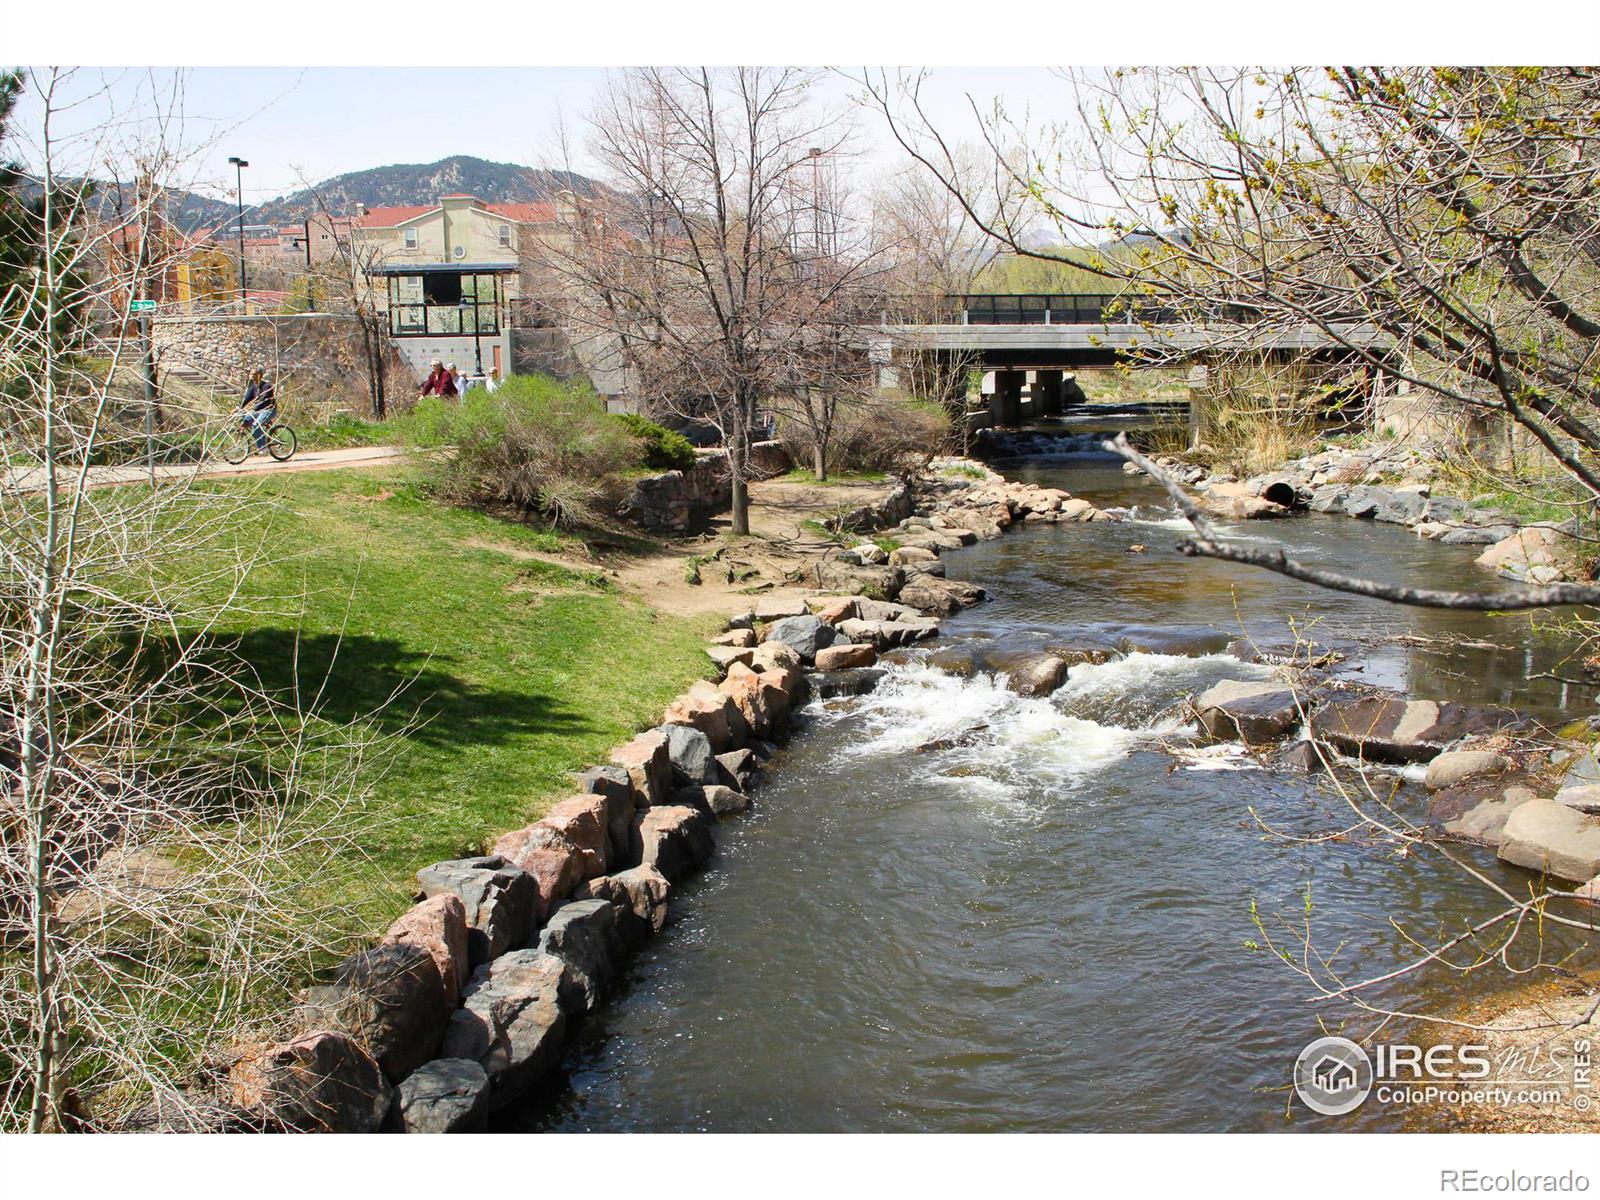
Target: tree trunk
x: 738, y: 457
x: 819, y: 460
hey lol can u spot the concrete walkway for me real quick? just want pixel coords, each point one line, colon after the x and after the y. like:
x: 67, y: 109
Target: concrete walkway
x: 31, y: 479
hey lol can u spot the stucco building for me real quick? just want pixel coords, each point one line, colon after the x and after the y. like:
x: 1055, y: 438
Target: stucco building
x: 448, y: 274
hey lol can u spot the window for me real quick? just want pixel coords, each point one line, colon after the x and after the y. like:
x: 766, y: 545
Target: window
x: 411, y: 239
x: 505, y: 235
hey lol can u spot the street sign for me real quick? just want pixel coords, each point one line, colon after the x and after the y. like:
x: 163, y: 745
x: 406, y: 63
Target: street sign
x: 142, y: 306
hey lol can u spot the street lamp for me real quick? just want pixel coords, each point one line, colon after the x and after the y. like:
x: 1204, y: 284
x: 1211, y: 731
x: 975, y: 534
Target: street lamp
x: 477, y: 344
x: 239, y: 165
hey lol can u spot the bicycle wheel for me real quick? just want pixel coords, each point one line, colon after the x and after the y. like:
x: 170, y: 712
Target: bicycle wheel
x: 281, y: 443
x: 236, y: 450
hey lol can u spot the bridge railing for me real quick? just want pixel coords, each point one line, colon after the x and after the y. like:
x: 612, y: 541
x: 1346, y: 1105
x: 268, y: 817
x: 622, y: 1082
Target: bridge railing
x: 1027, y: 308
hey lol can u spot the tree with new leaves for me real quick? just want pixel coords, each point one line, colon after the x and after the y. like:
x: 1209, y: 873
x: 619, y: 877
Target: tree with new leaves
x: 1435, y: 226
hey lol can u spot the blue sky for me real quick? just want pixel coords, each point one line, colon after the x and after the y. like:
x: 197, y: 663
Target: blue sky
x: 296, y: 124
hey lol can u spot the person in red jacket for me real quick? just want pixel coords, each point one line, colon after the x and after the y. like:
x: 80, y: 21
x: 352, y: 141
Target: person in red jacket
x: 438, y: 382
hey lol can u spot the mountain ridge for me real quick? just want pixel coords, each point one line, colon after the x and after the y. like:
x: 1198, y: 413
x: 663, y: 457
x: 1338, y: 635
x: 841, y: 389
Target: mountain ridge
x: 385, y: 186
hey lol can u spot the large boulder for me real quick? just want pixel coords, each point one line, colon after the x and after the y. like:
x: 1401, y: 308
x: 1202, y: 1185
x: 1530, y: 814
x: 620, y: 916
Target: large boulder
x: 1553, y: 839
x: 511, y: 1022
x: 907, y: 556
x: 880, y: 583
x: 501, y: 901
x: 710, y: 711
x: 640, y: 898
x: 1032, y: 673
x: 550, y: 858
x: 391, y: 999
x: 692, y: 755
x: 744, y: 688
x: 776, y: 608
x: 447, y: 1095
x: 828, y: 685
x: 320, y: 1082
x: 775, y: 656
x: 1365, y: 501
x: 1254, y: 711
x: 883, y: 635
x: 675, y: 840
x: 738, y: 768
x: 1234, y: 502
x: 942, y: 596
x: 1401, y: 731
x: 1485, y: 821
x: 1405, y: 506
x: 1455, y: 767
x: 724, y: 801
x: 726, y: 656
x: 846, y: 655
x: 582, y: 820
x: 867, y: 554
x: 1580, y: 788
x: 804, y: 635
x: 439, y: 926
x: 583, y: 935
x: 1328, y: 498
x: 612, y: 785
x: 648, y: 765
x: 1537, y: 555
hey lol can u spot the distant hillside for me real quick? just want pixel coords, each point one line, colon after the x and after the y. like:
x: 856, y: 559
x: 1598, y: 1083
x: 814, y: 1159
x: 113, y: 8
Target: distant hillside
x: 419, y: 183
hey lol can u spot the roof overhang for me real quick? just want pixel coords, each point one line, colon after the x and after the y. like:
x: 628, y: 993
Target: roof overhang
x: 456, y: 268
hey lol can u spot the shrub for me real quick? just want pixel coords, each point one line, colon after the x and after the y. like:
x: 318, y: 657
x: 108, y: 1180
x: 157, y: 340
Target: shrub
x: 664, y: 449
x: 536, y: 444
x: 879, y: 435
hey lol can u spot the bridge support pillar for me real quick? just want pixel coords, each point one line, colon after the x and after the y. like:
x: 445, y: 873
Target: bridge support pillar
x: 1006, y: 403
x: 1047, y: 393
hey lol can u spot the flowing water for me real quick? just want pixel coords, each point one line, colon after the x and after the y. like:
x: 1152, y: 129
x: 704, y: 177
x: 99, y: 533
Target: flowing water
x: 1043, y: 926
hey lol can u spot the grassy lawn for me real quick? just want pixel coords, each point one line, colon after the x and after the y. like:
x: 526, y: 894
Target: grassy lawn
x: 508, y: 672
x: 806, y: 475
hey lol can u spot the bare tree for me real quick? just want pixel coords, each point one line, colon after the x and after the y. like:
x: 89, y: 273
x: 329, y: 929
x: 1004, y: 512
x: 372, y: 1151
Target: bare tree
x: 158, y: 808
x: 695, y: 263
x: 936, y: 251
x: 346, y: 280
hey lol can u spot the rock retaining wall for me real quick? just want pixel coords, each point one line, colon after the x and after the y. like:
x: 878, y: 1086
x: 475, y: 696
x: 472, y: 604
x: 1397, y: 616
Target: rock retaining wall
x: 672, y: 501
x: 222, y: 350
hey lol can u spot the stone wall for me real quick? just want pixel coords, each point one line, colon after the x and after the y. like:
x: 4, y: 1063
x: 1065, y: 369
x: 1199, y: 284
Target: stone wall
x: 320, y: 352
x: 672, y: 501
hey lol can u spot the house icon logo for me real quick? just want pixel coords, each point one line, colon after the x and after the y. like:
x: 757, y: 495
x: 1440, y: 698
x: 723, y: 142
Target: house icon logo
x: 1332, y: 1076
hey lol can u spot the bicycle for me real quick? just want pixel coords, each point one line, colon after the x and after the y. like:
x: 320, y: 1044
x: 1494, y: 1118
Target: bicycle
x: 281, y: 443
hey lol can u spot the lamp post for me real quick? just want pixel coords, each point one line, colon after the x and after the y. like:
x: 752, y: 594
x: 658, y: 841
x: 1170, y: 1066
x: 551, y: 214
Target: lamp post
x: 477, y: 344
x: 239, y: 165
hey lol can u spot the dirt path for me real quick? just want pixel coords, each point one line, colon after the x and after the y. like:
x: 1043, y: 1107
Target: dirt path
x: 779, y: 544
x: 31, y: 479
x: 733, y: 572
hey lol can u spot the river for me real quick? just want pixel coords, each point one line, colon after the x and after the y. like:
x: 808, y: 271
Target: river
x: 1044, y: 927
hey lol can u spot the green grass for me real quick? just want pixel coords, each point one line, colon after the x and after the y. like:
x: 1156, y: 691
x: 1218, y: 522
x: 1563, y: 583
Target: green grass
x: 342, y: 431
x: 805, y: 475
x: 511, y: 672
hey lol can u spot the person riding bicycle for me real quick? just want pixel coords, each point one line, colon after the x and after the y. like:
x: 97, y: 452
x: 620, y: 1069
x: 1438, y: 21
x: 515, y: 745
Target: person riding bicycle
x: 260, y: 407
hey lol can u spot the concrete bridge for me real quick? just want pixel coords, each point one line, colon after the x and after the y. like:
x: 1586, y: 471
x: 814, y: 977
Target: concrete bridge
x: 1031, y: 341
